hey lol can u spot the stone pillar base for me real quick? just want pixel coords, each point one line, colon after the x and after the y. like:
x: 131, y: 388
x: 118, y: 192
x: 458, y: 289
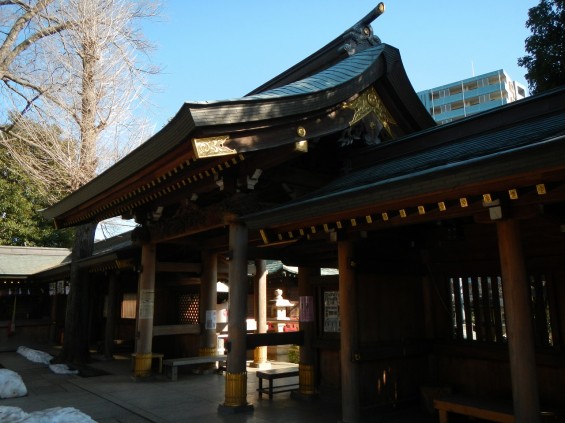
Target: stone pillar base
x: 206, y: 368
x: 142, y: 365
x: 260, y: 359
x: 235, y: 394
x: 228, y: 409
x: 306, y: 383
x: 261, y: 366
x: 202, y: 352
x: 297, y: 395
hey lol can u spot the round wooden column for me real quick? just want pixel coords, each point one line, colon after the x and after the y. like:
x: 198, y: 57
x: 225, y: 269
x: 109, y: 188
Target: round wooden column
x: 111, y: 316
x: 145, y: 308
x: 307, y: 380
x: 349, y: 334
x: 208, y: 300
x: 518, y: 323
x: 236, y: 375
x: 260, y: 288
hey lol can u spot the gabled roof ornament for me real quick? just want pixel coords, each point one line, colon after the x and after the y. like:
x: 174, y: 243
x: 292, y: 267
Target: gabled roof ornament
x: 360, y: 36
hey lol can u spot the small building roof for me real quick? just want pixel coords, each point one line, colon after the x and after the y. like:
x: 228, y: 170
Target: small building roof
x: 20, y: 262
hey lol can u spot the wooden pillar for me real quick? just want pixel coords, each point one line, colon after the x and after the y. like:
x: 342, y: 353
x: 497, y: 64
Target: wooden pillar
x: 111, y: 316
x: 53, y: 328
x: 260, y: 289
x: 145, y: 307
x: 236, y: 375
x: 518, y: 323
x: 350, y: 405
x: 208, y: 300
x: 306, y: 365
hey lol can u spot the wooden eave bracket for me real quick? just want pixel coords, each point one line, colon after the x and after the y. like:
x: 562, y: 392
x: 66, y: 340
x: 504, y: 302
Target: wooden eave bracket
x: 520, y: 203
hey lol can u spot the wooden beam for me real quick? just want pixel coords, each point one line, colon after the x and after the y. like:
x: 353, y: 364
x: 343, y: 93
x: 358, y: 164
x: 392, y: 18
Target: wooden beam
x: 162, y: 330
x: 178, y: 267
x: 199, y: 220
x: 254, y: 340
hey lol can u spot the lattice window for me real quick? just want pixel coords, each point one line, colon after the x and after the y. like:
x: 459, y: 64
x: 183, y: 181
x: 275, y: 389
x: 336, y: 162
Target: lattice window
x: 543, y: 329
x: 477, y: 309
x: 189, y: 305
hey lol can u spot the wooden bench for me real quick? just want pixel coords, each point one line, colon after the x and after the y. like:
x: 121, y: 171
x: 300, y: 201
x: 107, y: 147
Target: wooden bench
x: 473, y: 407
x: 172, y: 364
x: 273, y: 374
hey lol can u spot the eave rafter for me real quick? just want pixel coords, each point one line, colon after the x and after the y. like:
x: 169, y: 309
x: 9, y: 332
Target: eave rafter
x: 150, y: 188
x: 199, y: 220
x: 488, y: 206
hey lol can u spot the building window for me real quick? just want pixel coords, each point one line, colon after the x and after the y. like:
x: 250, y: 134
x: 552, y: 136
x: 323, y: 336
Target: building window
x: 543, y: 329
x: 456, y: 105
x: 496, y: 96
x: 484, y: 98
x: 455, y: 90
x: 436, y: 95
x: 495, y: 80
x: 129, y: 305
x: 477, y: 310
x: 470, y: 86
x: 472, y: 101
x: 188, y: 308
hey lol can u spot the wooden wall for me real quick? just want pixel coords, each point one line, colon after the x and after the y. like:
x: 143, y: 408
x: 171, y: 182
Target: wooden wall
x: 481, y: 368
x: 405, y: 312
x: 390, y: 314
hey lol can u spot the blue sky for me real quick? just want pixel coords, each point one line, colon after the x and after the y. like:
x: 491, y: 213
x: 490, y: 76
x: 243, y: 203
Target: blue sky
x: 220, y: 49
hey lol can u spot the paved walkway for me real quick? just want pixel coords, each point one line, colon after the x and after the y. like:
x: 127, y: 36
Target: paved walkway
x: 114, y: 397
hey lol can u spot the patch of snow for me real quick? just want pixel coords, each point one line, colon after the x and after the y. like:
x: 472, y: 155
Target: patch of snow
x: 45, y: 358
x: 12, y: 414
x: 11, y: 385
x: 62, y: 369
x: 35, y: 355
x: 50, y: 415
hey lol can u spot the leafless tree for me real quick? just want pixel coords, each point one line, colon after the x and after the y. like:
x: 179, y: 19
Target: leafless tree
x: 75, y: 68
x: 24, y: 25
x: 82, y: 79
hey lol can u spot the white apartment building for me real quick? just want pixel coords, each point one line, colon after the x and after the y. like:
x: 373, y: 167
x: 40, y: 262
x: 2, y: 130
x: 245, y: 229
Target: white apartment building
x: 457, y: 100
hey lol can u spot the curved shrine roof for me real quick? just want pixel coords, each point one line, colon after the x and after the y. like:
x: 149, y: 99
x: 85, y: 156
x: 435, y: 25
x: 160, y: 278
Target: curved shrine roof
x: 328, y: 78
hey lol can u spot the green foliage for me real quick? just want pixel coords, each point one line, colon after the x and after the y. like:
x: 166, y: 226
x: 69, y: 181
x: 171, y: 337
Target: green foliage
x: 294, y: 354
x: 545, y: 61
x: 20, y: 204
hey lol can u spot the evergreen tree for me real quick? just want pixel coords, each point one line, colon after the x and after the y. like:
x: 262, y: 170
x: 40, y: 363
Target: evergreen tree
x: 21, y: 201
x: 545, y: 61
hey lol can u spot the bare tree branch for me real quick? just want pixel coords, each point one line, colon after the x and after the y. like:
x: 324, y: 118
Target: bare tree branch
x: 73, y: 71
